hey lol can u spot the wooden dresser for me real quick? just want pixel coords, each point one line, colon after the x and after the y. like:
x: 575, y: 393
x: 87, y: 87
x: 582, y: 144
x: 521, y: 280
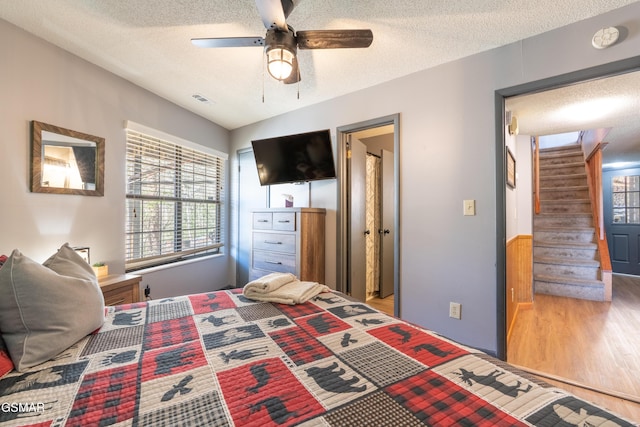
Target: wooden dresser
x: 288, y: 240
x: 120, y: 288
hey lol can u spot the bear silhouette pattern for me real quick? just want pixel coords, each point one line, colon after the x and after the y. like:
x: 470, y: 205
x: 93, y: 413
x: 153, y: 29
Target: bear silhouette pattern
x: 330, y: 379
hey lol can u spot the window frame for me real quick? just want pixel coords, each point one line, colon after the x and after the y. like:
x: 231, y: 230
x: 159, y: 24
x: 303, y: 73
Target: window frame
x: 208, y: 168
x: 628, y: 206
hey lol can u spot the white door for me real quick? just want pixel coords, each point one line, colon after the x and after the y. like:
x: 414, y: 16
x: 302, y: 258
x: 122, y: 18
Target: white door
x: 357, y: 171
x: 387, y: 222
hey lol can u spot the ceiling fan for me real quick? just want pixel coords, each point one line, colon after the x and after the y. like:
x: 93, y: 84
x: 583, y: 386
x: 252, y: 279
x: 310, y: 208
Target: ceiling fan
x: 281, y: 42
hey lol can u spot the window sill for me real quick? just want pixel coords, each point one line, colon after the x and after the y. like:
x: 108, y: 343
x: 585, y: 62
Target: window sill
x: 157, y: 268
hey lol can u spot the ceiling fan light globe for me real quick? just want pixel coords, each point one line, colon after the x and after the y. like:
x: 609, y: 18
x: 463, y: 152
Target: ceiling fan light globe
x: 280, y: 63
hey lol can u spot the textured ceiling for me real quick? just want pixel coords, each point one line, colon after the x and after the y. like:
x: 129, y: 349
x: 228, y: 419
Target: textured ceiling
x: 612, y: 102
x: 148, y: 42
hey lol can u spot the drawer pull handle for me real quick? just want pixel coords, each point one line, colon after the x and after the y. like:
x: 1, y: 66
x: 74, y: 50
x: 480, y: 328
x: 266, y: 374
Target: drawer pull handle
x: 274, y: 262
x: 272, y: 242
x: 263, y: 220
x: 285, y: 221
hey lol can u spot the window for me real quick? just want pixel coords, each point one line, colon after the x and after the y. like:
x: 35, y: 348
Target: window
x: 626, y: 199
x: 174, y: 199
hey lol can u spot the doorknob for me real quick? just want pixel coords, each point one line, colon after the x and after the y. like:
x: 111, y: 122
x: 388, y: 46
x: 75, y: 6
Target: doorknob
x: 367, y: 232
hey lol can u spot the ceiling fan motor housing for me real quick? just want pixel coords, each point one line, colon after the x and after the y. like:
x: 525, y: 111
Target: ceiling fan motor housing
x: 276, y: 39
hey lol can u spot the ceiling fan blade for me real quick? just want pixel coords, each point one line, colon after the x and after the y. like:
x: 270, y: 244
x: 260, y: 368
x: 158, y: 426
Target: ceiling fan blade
x: 287, y: 6
x: 295, y: 73
x: 334, y: 39
x: 228, y: 42
x: 272, y: 14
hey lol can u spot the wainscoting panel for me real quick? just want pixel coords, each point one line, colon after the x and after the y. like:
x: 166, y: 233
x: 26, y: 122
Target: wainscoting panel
x: 519, y: 276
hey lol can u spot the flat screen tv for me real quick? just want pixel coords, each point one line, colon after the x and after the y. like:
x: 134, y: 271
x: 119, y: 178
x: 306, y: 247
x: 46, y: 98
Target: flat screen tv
x: 294, y: 158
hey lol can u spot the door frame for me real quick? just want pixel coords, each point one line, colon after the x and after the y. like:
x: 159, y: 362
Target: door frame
x: 342, y: 242
x: 600, y: 71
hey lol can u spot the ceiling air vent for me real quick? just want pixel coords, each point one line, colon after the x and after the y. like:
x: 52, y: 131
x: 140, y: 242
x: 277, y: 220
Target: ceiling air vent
x: 202, y: 99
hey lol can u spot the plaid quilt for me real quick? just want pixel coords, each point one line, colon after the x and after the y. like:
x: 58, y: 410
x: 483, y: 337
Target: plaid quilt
x: 219, y: 359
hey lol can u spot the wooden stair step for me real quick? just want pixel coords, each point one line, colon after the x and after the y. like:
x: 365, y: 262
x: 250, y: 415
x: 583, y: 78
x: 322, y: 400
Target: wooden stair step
x: 562, y: 214
x: 568, y: 245
x: 566, y: 202
x: 560, y: 229
x: 562, y: 148
x: 559, y: 154
x: 568, y: 280
x: 561, y: 165
x: 566, y: 188
x: 567, y: 261
x: 569, y: 175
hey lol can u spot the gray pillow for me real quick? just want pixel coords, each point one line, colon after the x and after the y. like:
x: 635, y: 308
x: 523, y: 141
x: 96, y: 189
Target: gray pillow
x: 44, y: 309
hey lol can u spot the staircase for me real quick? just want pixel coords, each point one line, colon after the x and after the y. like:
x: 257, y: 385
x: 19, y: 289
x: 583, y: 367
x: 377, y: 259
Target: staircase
x: 566, y: 261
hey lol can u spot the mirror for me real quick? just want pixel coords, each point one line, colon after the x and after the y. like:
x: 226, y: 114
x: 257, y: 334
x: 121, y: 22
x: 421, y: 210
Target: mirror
x: 64, y: 161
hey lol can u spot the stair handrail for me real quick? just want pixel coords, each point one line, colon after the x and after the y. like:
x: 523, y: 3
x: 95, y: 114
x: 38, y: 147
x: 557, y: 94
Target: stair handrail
x: 593, y: 165
x: 536, y: 173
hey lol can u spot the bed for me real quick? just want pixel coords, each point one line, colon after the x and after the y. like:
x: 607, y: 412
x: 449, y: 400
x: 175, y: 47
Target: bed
x: 220, y: 359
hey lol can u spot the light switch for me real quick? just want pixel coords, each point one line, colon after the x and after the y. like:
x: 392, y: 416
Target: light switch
x: 469, y: 207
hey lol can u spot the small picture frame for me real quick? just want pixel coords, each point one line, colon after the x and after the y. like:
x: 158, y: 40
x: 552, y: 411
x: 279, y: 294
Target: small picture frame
x: 84, y: 253
x: 510, y: 165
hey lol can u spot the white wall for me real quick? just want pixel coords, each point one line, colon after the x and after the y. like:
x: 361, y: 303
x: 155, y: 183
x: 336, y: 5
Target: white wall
x: 524, y: 169
x: 518, y: 200
x: 39, y: 81
x: 511, y: 194
x: 447, y: 154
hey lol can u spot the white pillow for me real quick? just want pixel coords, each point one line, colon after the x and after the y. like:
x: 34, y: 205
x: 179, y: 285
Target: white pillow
x: 44, y: 309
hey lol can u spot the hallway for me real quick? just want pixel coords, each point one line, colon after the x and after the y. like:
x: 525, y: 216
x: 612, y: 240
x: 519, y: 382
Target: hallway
x: 592, y: 343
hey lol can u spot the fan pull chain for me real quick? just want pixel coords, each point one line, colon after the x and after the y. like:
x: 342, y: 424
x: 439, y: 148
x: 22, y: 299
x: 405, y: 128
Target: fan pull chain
x: 264, y: 64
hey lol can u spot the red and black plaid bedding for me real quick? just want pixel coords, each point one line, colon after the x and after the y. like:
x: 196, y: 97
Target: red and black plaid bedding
x: 219, y: 359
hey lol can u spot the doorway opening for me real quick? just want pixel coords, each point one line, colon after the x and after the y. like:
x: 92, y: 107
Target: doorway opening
x: 563, y: 348
x: 368, y: 212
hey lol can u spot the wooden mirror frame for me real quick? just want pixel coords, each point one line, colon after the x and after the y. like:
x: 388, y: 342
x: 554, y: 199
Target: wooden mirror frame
x: 37, y: 160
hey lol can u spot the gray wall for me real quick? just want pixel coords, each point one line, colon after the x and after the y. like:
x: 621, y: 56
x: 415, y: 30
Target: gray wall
x: 39, y: 81
x: 447, y: 154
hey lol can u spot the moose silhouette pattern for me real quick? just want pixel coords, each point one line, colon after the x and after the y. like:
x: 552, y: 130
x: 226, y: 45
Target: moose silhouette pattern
x: 216, y: 359
x: 491, y: 380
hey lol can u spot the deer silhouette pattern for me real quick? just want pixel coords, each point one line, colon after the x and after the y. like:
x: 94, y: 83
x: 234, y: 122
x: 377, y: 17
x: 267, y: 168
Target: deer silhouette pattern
x: 213, y: 359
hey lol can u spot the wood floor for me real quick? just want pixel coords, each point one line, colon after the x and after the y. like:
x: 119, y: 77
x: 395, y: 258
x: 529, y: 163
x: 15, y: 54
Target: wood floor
x: 385, y: 305
x: 586, y: 342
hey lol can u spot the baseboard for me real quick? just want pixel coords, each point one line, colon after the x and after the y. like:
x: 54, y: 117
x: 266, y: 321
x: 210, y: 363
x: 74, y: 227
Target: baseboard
x: 519, y: 306
x: 608, y: 392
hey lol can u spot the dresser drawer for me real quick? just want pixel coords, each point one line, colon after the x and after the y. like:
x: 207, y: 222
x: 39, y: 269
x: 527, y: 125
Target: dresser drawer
x: 120, y: 288
x: 281, y: 263
x: 278, y: 242
x: 119, y: 296
x: 262, y: 220
x: 284, y: 221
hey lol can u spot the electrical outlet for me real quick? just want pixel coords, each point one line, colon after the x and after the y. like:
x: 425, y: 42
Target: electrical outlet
x: 455, y: 310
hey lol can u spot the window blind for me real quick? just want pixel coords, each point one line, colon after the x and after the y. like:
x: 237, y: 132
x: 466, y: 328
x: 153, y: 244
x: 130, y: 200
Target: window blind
x: 174, y: 201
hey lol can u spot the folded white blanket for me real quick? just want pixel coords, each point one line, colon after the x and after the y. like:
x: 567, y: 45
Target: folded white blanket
x: 294, y: 292
x: 270, y: 282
